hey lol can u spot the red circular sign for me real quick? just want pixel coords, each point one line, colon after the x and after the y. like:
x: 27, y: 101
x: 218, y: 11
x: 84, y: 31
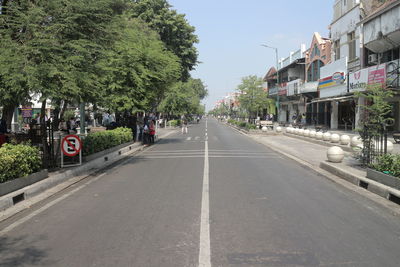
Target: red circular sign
x: 71, y: 145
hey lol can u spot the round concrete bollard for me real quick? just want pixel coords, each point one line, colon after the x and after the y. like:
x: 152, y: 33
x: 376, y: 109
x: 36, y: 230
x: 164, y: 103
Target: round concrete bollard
x: 264, y: 129
x: 306, y: 133
x: 301, y: 132
x: 326, y: 136
x: 319, y: 135
x: 313, y: 133
x: 279, y: 129
x: 356, y: 140
x: 344, y: 139
x: 335, y: 138
x: 335, y: 154
x: 296, y: 131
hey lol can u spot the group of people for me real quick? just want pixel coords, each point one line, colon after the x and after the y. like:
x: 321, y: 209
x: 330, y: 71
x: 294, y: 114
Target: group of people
x: 299, y: 119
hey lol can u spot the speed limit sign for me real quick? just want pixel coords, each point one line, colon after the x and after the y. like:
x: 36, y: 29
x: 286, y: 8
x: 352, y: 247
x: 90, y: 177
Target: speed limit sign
x: 71, y: 145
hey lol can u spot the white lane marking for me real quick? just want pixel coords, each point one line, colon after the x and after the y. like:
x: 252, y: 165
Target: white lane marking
x: 45, y: 207
x: 205, y: 248
x: 189, y: 138
x: 197, y: 138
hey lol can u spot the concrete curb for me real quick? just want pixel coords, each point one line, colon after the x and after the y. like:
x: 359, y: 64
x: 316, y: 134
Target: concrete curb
x: 58, y: 178
x: 382, y: 190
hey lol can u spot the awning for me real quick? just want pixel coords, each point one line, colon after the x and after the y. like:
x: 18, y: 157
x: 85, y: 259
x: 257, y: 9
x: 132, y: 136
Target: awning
x: 339, y: 99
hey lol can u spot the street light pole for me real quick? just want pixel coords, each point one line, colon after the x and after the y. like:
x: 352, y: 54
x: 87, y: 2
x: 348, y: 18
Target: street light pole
x: 277, y: 76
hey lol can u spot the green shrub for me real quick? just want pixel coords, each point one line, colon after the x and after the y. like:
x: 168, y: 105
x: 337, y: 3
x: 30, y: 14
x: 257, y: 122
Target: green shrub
x: 99, y: 141
x: 18, y: 161
x: 231, y: 121
x: 250, y: 126
x: 174, y: 123
x: 242, y: 124
x: 389, y: 164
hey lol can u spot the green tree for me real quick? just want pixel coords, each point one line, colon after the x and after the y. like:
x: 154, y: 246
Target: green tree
x: 138, y: 69
x: 184, y: 98
x: 377, y: 109
x: 253, y: 98
x: 173, y: 29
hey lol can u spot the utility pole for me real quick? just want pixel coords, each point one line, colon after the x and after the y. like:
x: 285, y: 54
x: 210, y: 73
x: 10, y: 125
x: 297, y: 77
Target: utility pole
x: 277, y: 76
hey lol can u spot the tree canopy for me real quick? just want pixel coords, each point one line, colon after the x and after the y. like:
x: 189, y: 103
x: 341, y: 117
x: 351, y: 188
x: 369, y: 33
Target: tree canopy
x: 121, y: 54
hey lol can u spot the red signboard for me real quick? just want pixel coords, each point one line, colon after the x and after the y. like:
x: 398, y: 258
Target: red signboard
x: 71, y: 145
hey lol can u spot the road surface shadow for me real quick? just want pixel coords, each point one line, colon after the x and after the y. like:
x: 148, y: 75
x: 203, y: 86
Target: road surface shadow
x: 21, y: 251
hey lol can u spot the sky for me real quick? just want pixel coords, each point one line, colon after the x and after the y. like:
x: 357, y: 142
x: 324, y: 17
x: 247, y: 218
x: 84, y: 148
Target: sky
x: 231, y: 33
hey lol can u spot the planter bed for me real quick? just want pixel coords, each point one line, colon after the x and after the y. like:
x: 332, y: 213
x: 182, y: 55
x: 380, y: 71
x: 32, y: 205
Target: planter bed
x: 105, y: 152
x: 383, y: 178
x: 16, y: 184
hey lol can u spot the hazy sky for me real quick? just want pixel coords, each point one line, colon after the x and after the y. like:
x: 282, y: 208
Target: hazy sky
x: 231, y: 33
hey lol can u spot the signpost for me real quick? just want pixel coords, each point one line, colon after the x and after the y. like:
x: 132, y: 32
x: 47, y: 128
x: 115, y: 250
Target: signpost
x: 71, y: 146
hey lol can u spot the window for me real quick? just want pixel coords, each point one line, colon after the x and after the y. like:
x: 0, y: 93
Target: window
x: 337, y: 49
x: 315, y: 51
x: 313, y: 72
x: 351, y: 38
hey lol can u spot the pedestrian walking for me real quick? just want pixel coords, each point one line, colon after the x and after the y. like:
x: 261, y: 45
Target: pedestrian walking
x: 152, y: 131
x: 184, y: 123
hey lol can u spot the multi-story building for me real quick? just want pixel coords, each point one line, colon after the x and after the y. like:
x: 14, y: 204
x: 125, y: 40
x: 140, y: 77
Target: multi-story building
x: 317, y: 56
x: 283, y: 85
x: 380, y: 52
x: 340, y: 105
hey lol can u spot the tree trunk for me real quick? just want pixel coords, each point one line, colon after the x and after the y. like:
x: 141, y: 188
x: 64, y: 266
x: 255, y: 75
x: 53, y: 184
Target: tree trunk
x: 8, y: 112
x: 56, y: 114
x: 43, y: 132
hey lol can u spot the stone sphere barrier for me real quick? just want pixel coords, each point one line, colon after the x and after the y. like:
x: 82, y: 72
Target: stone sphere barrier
x: 335, y: 154
x: 319, y: 135
x: 279, y: 129
x: 264, y: 129
x: 356, y: 140
x: 312, y: 134
x: 307, y: 133
x: 344, y: 139
x: 326, y: 136
x: 301, y: 132
x: 335, y: 138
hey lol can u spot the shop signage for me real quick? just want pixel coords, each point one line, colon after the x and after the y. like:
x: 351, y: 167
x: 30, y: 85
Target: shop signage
x: 336, y: 79
x: 359, y: 80
x: 377, y: 74
x: 26, y: 112
x: 273, y: 91
x: 283, y: 90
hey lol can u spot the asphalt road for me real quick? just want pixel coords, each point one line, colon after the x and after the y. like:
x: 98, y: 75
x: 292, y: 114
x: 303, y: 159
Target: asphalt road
x: 212, y: 197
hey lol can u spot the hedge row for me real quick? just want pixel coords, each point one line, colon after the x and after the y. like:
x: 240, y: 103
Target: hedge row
x: 18, y: 161
x: 242, y: 124
x: 99, y: 141
x: 389, y: 164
